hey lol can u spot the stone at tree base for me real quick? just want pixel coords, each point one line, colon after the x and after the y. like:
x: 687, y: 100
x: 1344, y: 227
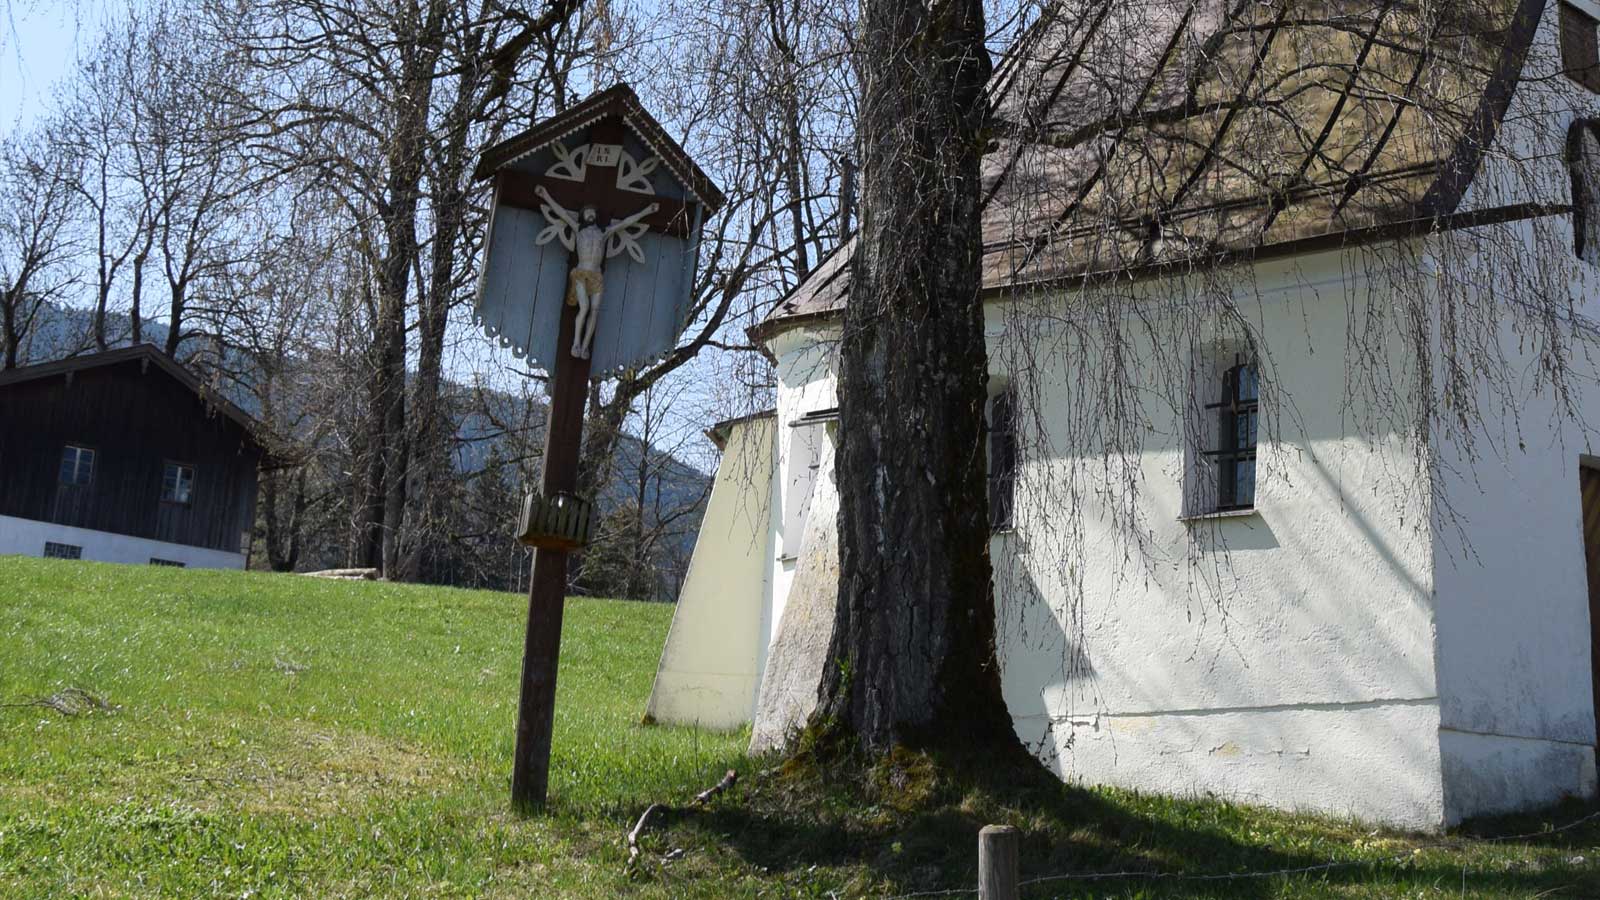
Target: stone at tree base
x: 789, y: 685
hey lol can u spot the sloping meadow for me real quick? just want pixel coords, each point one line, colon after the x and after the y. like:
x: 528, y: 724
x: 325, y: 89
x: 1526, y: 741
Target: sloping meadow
x: 172, y: 733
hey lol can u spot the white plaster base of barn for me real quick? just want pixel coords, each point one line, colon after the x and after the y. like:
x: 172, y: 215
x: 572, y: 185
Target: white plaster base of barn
x: 26, y: 537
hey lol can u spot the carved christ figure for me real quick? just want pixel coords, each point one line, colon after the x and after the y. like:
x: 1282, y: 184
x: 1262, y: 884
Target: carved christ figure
x: 586, y: 280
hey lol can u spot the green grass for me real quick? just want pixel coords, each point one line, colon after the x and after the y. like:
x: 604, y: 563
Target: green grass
x: 278, y: 736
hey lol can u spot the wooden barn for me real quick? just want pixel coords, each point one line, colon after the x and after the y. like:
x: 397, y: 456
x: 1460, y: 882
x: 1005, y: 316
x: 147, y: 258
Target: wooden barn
x: 124, y: 456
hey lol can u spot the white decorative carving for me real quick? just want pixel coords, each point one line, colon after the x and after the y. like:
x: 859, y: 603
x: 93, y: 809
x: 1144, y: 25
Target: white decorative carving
x: 570, y: 165
x: 632, y: 175
x: 627, y: 238
x: 635, y: 176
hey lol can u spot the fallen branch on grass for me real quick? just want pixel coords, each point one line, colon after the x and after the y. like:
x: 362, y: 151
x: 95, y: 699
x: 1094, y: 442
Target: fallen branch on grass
x: 346, y: 574
x: 728, y: 781
x: 633, y: 836
x: 700, y: 799
x: 67, y: 701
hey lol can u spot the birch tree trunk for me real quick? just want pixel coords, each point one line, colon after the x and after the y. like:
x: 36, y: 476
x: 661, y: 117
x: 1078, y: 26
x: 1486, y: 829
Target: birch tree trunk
x: 913, y: 659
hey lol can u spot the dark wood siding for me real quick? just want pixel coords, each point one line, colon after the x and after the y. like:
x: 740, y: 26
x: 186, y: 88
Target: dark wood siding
x: 136, y: 418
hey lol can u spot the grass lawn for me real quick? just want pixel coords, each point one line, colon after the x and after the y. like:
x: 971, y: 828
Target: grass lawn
x: 278, y: 736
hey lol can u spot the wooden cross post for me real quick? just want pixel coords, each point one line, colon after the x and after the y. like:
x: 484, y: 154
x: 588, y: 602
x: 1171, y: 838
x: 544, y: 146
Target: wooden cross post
x: 547, y: 588
x: 569, y: 386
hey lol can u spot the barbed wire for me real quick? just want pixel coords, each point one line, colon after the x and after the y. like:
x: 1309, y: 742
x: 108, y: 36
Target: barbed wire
x: 1331, y: 865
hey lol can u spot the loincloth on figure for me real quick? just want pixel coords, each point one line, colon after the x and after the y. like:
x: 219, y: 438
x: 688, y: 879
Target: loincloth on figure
x: 593, y: 283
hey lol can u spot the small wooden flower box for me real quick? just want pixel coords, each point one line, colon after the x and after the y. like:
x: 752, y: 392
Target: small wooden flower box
x: 559, y: 522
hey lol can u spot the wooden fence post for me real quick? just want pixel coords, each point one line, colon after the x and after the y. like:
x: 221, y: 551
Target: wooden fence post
x: 998, y: 858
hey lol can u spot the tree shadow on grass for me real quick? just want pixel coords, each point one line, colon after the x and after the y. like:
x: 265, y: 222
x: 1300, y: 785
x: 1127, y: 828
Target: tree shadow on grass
x: 836, y: 823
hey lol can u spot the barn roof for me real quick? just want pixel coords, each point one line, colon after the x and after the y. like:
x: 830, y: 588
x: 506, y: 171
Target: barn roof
x: 1147, y: 135
x: 149, y: 354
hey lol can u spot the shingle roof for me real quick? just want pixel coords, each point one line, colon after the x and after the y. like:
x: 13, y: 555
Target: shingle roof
x: 618, y: 100
x: 1138, y: 134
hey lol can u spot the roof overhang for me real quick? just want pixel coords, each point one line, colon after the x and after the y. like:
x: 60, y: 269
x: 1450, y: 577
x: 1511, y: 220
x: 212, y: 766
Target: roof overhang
x: 619, y: 102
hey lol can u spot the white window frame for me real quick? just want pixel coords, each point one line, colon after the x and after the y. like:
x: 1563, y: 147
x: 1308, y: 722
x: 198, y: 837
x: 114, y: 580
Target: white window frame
x: 78, y: 451
x: 181, y: 467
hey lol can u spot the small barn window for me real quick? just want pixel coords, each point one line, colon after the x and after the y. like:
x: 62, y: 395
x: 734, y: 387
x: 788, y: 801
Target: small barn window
x: 177, y: 484
x: 1580, y: 46
x: 53, y: 550
x: 1238, y: 420
x: 1002, y: 460
x: 77, y: 466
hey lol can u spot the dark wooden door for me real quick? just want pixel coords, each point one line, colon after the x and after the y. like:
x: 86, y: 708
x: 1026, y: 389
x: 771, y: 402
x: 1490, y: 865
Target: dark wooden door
x: 1590, y: 479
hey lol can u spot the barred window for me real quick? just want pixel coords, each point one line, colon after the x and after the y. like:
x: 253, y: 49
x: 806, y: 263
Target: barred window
x: 1002, y: 460
x: 177, y: 484
x: 77, y: 466
x: 158, y: 561
x: 1238, y: 419
x: 53, y: 550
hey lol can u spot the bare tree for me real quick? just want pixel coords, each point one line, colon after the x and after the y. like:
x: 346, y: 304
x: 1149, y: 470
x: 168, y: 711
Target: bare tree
x: 344, y: 97
x: 92, y: 127
x: 185, y: 164
x: 36, y: 240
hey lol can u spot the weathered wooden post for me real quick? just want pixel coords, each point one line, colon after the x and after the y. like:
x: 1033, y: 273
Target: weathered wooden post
x: 999, y: 857
x: 588, y: 268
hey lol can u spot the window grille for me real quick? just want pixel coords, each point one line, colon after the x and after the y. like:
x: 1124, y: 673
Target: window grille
x: 158, y: 561
x: 1002, y: 460
x: 53, y: 550
x: 77, y: 466
x: 177, y: 484
x: 1238, y: 419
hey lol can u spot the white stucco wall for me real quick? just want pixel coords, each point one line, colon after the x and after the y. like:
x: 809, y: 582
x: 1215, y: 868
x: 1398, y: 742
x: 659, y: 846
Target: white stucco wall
x: 27, y: 537
x: 1281, y: 657
x: 1514, y: 657
x: 709, y: 666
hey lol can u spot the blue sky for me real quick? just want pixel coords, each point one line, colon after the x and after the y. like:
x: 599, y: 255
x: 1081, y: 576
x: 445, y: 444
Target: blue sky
x: 39, y: 40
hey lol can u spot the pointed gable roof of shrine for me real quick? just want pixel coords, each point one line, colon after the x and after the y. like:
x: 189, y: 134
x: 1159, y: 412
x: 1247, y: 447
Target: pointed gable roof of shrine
x: 619, y: 101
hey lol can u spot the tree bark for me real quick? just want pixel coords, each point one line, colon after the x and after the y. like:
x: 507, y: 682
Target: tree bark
x: 914, y: 637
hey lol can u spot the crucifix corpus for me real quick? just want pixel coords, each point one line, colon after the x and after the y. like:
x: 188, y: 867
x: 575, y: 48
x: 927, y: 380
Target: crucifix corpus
x: 593, y: 239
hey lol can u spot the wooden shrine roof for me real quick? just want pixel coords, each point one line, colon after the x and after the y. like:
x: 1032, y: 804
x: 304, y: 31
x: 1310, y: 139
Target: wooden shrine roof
x: 1159, y: 133
x: 620, y: 101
